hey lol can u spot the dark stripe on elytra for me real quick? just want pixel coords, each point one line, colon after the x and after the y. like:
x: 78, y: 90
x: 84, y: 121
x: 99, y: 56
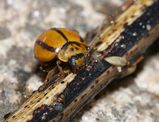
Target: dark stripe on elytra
x: 60, y: 32
x: 68, y: 43
x: 45, y: 46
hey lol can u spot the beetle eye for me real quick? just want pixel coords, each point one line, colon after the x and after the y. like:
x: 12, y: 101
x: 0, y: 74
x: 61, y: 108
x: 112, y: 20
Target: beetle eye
x: 72, y: 61
x: 77, y: 61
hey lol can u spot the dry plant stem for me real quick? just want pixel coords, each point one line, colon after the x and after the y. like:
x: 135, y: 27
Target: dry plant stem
x: 133, y: 31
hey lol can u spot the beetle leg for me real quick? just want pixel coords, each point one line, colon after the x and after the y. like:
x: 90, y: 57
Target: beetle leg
x: 50, y: 75
x: 54, y: 73
x: 58, y: 62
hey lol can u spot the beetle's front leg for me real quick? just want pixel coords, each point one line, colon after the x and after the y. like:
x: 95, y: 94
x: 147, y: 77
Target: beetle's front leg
x: 50, y: 75
x: 55, y: 72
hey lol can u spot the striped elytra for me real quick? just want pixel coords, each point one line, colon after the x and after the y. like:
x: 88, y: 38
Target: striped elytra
x: 60, y: 43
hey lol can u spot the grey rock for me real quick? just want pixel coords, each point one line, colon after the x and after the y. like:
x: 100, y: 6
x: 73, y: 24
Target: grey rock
x: 130, y: 100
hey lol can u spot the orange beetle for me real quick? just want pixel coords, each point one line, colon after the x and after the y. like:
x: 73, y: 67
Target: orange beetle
x: 63, y: 44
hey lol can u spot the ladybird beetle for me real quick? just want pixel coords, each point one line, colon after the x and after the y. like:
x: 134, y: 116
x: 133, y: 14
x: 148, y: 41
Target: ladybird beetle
x: 63, y: 44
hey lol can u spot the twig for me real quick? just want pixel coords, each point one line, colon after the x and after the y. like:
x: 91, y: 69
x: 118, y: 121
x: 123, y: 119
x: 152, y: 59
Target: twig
x: 130, y: 35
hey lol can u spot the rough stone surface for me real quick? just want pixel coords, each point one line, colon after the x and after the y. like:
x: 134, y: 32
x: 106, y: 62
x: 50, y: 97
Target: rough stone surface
x: 133, y: 99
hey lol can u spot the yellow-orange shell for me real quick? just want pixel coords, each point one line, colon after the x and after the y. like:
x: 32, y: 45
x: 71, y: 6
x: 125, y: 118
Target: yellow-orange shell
x: 48, y: 44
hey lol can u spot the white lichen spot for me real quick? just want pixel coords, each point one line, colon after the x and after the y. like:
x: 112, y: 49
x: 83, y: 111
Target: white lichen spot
x: 122, y: 37
x: 134, y: 34
x: 123, y: 46
x: 140, y: 23
x: 148, y: 27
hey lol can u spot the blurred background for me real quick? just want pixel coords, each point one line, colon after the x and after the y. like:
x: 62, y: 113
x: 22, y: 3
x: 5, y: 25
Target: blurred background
x: 135, y: 98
